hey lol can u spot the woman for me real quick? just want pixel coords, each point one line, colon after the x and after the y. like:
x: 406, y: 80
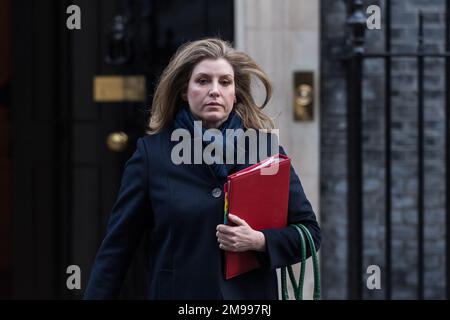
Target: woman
x: 182, y: 204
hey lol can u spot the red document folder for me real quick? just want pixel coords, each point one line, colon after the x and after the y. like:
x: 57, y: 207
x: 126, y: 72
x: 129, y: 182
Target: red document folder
x: 259, y: 195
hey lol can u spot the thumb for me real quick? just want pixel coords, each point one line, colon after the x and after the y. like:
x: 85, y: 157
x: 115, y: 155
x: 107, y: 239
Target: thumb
x: 238, y: 221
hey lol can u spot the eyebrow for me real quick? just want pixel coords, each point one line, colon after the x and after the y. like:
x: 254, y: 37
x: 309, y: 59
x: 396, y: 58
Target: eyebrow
x: 208, y: 75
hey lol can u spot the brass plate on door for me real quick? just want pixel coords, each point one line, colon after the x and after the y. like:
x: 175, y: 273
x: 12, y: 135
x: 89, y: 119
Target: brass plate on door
x: 117, y: 141
x: 119, y: 88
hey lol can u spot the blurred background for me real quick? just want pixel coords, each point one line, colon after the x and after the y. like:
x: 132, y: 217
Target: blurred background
x: 361, y: 98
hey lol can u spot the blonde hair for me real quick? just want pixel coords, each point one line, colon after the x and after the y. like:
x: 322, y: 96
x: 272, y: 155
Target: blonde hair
x: 175, y: 78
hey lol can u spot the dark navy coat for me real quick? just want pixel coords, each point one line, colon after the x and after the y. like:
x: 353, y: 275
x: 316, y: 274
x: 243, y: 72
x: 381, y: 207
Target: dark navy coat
x: 181, y: 207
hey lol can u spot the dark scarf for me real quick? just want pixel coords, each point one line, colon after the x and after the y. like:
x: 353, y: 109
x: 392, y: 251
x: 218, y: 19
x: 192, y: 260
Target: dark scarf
x: 184, y: 119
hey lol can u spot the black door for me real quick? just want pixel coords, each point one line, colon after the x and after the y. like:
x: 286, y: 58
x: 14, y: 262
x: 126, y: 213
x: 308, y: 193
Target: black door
x: 66, y: 176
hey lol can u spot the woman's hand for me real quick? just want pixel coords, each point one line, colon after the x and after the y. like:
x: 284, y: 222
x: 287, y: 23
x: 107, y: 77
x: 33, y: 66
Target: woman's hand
x: 240, y: 237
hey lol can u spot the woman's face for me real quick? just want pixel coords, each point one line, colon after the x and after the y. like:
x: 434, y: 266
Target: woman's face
x: 211, y: 91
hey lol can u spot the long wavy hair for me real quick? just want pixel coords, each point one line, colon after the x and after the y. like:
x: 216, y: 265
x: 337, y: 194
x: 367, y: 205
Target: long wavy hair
x: 175, y: 78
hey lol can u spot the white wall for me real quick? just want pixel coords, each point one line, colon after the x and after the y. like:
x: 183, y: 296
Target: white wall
x: 283, y: 36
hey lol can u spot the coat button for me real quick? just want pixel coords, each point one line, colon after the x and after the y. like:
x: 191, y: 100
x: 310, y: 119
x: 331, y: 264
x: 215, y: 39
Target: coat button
x: 216, y: 192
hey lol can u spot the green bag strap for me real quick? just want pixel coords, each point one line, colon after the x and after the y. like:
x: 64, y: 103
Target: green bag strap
x: 299, y: 293
x: 298, y: 288
x: 316, y: 270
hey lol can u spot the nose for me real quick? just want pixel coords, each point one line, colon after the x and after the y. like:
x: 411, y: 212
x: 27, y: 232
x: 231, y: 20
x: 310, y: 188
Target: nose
x: 214, y: 89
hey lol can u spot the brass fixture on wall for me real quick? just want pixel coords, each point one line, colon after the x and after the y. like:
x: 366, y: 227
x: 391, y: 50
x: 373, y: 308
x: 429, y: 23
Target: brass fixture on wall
x: 303, y: 103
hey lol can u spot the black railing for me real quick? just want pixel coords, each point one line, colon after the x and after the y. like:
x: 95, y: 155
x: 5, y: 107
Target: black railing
x: 387, y: 158
x: 447, y: 146
x: 354, y: 59
x: 420, y: 161
x: 357, y: 22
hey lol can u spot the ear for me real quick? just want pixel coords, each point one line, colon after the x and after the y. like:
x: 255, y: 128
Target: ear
x: 184, y: 96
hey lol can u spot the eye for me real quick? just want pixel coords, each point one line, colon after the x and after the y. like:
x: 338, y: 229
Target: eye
x: 202, y: 81
x: 226, y: 82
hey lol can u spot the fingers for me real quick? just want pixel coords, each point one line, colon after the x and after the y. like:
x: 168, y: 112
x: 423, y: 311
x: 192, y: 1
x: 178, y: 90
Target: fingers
x: 226, y: 239
x: 231, y: 242
x: 237, y: 220
x: 234, y: 238
x: 228, y: 248
x: 224, y: 229
x: 226, y: 243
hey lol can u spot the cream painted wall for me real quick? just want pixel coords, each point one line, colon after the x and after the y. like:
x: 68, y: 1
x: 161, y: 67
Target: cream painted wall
x: 283, y: 36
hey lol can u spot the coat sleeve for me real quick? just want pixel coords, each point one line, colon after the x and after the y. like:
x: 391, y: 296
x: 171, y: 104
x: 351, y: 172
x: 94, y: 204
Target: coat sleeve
x: 129, y: 216
x: 283, y: 245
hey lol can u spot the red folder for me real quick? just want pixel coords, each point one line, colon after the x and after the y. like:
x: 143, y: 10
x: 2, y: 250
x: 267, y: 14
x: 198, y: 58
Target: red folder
x: 259, y: 195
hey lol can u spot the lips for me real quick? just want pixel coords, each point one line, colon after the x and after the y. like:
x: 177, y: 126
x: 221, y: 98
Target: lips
x: 214, y: 104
